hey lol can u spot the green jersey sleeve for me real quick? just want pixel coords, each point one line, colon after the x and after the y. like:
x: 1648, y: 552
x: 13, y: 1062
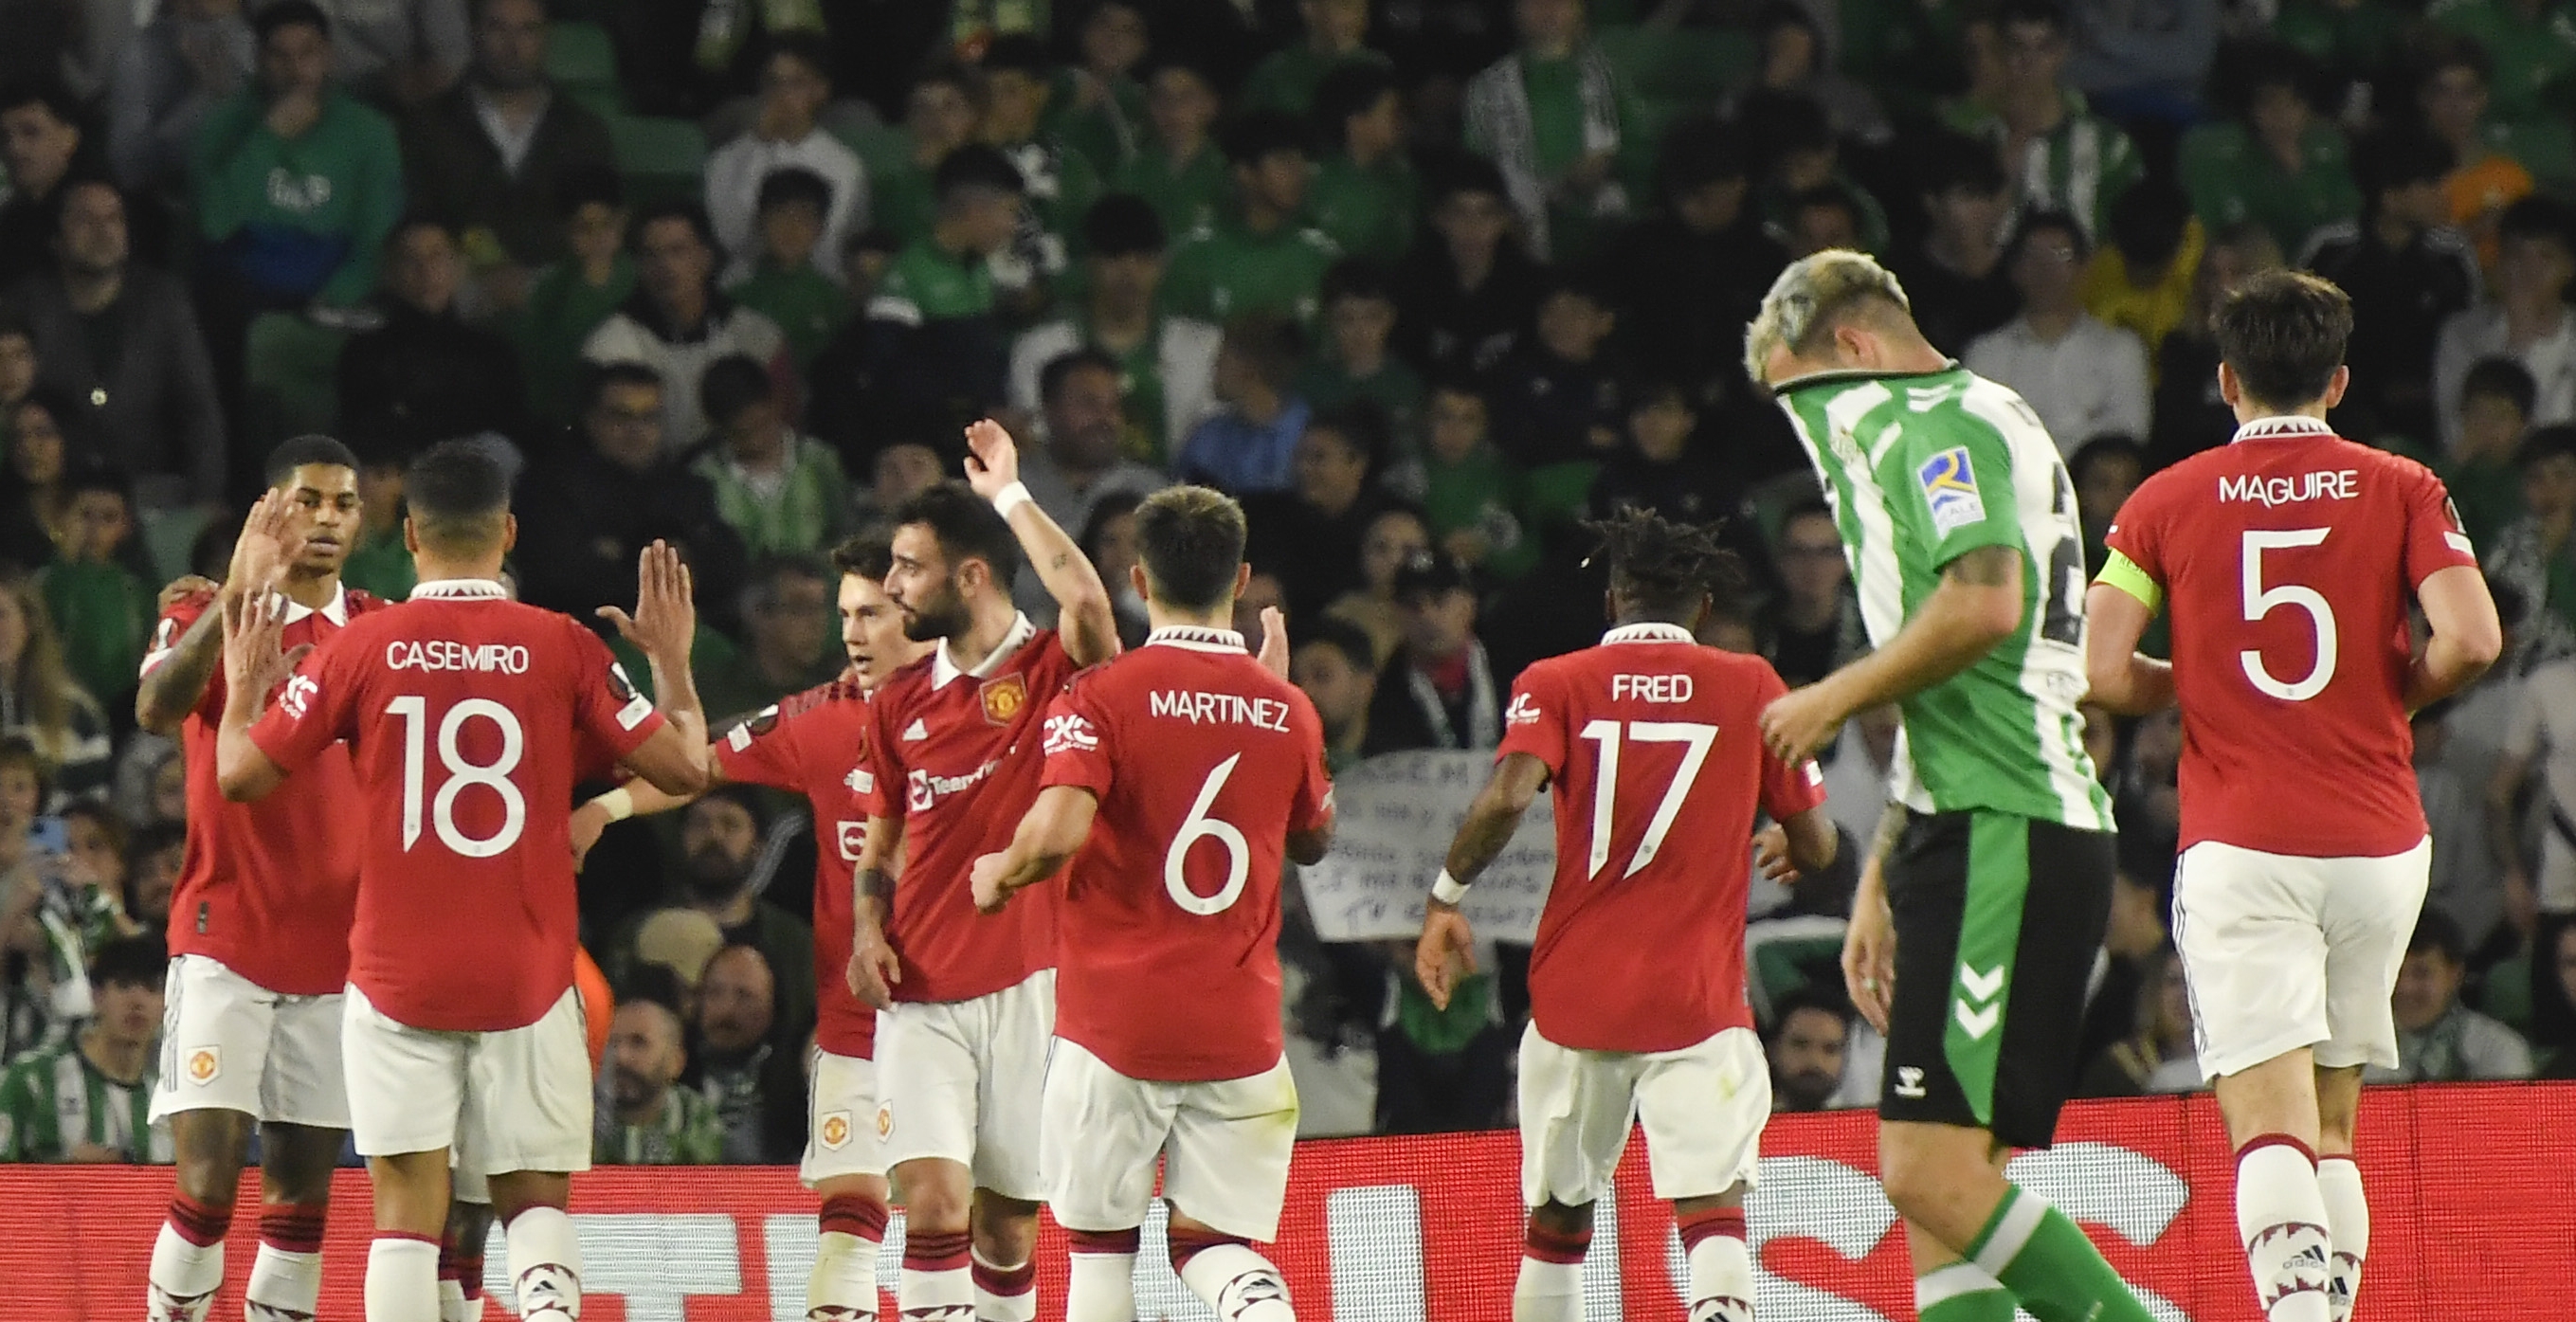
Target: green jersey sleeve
x: 25, y: 1125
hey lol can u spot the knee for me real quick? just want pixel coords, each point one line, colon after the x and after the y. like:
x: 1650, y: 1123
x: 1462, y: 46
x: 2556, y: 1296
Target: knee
x: 1005, y: 1229
x: 934, y: 1203
x: 209, y: 1181
x: 1917, y: 1183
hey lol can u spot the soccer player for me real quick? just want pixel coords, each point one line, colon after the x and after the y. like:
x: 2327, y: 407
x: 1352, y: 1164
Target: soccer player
x: 1643, y: 734
x: 953, y: 759
x: 2289, y: 559
x: 1179, y: 779
x: 259, y: 925
x: 465, y: 712
x: 1985, y: 896
x: 815, y: 744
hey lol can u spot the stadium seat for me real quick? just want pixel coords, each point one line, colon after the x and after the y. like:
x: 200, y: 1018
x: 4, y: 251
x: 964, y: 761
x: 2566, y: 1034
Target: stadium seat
x: 580, y: 59
x: 1690, y: 65
x: 882, y: 148
x: 1783, y: 954
x: 291, y: 373
x: 661, y: 158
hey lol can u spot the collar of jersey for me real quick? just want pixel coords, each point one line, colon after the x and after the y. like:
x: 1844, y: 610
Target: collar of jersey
x: 459, y: 589
x: 1648, y: 633
x: 1195, y: 639
x: 336, y: 610
x: 943, y: 669
x: 1843, y: 375
x: 2279, y: 426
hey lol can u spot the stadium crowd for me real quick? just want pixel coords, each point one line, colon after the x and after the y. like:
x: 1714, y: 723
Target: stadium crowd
x: 1425, y: 283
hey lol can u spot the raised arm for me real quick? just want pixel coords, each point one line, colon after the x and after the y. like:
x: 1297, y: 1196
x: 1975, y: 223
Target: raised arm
x: 1048, y: 836
x: 2124, y: 680
x: 1088, y: 625
x: 1443, y: 952
x: 665, y: 622
x: 2467, y: 636
x: 174, y: 686
x: 253, y: 626
x: 1976, y: 605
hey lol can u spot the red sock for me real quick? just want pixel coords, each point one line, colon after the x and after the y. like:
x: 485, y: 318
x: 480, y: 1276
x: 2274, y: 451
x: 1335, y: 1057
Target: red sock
x: 1552, y: 1246
x: 199, y: 1224
x: 293, y: 1227
x: 935, y: 1253
x: 1110, y: 1242
x: 855, y: 1215
x: 1188, y: 1244
x: 1699, y: 1226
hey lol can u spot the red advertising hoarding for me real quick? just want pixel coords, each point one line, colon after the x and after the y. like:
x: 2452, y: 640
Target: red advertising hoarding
x: 2473, y: 1195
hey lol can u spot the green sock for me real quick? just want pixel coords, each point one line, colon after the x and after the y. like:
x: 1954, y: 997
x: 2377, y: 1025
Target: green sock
x: 2046, y: 1261
x: 1961, y: 1292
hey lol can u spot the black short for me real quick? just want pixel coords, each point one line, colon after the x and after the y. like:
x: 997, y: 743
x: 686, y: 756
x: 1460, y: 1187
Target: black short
x: 1998, y: 919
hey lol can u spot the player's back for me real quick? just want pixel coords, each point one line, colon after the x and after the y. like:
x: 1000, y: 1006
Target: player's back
x: 464, y: 713
x: 1202, y: 762
x: 2288, y: 560
x: 1658, y: 769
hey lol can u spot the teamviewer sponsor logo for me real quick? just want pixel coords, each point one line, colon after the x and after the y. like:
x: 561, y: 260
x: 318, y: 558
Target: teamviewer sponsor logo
x: 923, y: 791
x: 1070, y: 734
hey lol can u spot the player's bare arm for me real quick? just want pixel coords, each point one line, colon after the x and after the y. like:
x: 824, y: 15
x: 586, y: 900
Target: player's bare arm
x: 2466, y: 635
x: 260, y: 554
x: 1048, y: 835
x: 1443, y: 954
x: 2124, y: 680
x: 634, y: 799
x: 1977, y: 605
x: 1869, y: 940
x: 665, y: 621
x: 1086, y: 622
x: 1806, y: 842
x: 1307, y: 848
x: 254, y: 625
x: 875, y: 970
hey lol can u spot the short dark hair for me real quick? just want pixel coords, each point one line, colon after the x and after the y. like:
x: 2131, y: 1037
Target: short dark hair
x: 657, y: 985
x: 132, y: 961
x: 868, y: 554
x: 949, y: 71
x: 1357, y: 277
x: 297, y: 452
x: 288, y: 14
x: 2038, y: 219
x: 1698, y: 151
x: 1814, y: 995
x: 596, y: 378
x: 1351, y: 90
x: 1362, y: 426
x: 2557, y: 441
x: 1017, y: 53
x: 760, y: 591
x: 1051, y: 378
x: 457, y: 494
x: 1342, y: 636
x: 1465, y: 172
x: 1270, y: 344
x: 59, y: 206
x: 1954, y: 163
x: 586, y: 182
x: 732, y: 383
x: 2537, y: 217
x: 966, y: 528
x: 2397, y: 158
x: 2438, y: 931
x: 1809, y: 509
x: 975, y: 166
x: 2283, y: 333
x: 2106, y: 446
x: 1123, y: 225
x: 2442, y: 50
x: 679, y: 209
x: 90, y: 474
x: 806, y: 47
x: 1829, y: 194
x: 1261, y: 134
x: 2500, y: 378
x: 53, y: 96
x: 2148, y: 222
x: 793, y: 183
x: 2037, y: 12
x: 1663, y: 567
x: 1190, y: 539
x: 1777, y: 123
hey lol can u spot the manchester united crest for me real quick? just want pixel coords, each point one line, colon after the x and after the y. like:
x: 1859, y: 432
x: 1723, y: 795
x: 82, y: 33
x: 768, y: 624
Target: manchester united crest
x: 885, y: 1122
x: 1004, y: 697
x: 204, y: 1064
x: 835, y: 1130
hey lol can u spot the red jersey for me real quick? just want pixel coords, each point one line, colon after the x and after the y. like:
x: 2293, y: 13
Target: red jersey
x: 269, y: 888
x: 954, y: 755
x: 2289, y: 558
x: 464, y: 712
x: 815, y: 743
x: 1641, y: 945
x: 1202, y: 763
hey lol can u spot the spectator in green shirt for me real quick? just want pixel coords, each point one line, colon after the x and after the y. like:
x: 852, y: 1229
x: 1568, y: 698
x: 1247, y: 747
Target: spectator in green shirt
x: 1797, y: 155
x: 2532, y: 44
x: 571, y: 297
x: 1166, y: 364
x: 90, y: 1099
x: 939, y: 116
x: 649, y: 1120
x: 782, y: 492
x: 1059, y: 183
x: 1468, y: 489
x: 380, y: 563
x: 1353, y: 361
x: 2279, y: 163
x: 2496, y: 400
x: 1553, y: 117
x: 788, y: 641
x: 1366, y: 196
x: 1264, y: 258
x: 1098, y: 105
x: 785, y: 285
x: 1336, y: 38
x: 2062, y: 156
x: 1179, y: 168
x: 2351, y: 40
x: 103, y: 609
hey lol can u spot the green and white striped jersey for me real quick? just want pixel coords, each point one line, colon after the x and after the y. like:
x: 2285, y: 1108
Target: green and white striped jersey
x: 54, y: 1099
x: 1922, y: 469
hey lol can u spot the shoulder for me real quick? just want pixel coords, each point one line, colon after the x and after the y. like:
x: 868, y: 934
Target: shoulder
x: 2330, y: 244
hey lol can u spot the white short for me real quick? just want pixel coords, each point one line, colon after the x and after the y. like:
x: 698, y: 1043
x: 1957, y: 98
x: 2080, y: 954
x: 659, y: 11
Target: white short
x: 1703, y: 1107
x: 2282, y: 952
x: 841, y: 1120
x: 1224, y: 1146
x: 514, y: 1100
x: 229, y: 1044
x: 960, y: 1081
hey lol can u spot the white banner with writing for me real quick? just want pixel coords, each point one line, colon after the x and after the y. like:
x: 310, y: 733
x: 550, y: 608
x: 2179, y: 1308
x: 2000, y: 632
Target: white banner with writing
x: 1397, y: 815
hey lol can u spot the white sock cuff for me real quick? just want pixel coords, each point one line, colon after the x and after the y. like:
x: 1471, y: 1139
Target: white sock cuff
x: 1943, y: 1284
x: 2022, y: 1213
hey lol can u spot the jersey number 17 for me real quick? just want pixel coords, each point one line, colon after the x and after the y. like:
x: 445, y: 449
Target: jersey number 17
x: 1696, y: 738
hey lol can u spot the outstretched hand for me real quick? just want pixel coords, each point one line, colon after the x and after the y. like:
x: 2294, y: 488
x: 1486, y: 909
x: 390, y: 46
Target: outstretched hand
x: 254, y: 629
x: 269, y: 544
x: 1445, y: 955
x: 1274, y: 641
x: 992, y: 458
x: 665, y: 621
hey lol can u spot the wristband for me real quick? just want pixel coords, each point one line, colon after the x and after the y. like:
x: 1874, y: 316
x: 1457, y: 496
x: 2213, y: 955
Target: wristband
x: 1448, y: 890
x: 1010, y: 498
x: 619, y: 803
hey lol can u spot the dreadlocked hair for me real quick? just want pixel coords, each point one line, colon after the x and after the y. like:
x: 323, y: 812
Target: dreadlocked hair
x: 1663, y: 566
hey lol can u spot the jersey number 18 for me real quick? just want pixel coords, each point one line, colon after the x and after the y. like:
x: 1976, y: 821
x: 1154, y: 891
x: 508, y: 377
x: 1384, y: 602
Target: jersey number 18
x: 461, y: 774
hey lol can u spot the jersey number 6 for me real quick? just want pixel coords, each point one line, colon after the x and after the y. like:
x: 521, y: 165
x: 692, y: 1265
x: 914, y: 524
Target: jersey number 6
x: 2261, y: 601
x: 495, y: 775
x: 1238, y: 851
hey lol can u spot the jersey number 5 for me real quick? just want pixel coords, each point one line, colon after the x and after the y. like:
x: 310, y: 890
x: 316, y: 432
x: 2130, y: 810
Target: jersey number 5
x: 494, y: 775
x: 1605, y: 783
x: 2261, y: 601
